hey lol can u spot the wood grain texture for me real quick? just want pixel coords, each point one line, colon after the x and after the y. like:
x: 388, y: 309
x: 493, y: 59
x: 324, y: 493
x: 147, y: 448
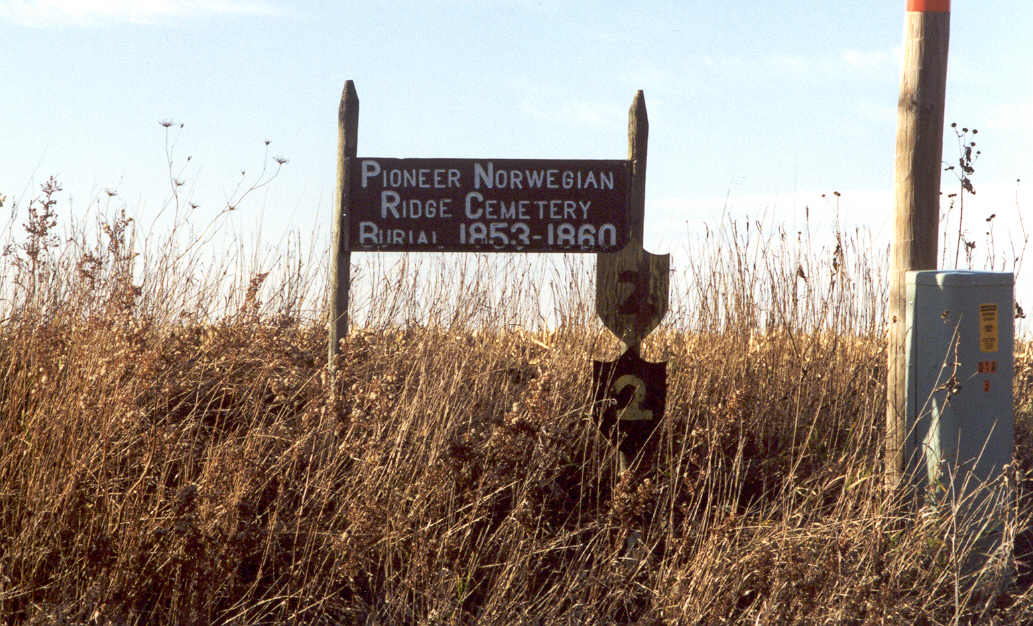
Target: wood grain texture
x: 638, y: 146
x: 340, y: 267
x: 919, y: 154
x: 631, y: 292
x: 631, y: 285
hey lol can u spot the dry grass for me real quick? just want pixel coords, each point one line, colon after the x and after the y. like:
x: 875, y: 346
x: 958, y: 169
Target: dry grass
x: 160, y: 463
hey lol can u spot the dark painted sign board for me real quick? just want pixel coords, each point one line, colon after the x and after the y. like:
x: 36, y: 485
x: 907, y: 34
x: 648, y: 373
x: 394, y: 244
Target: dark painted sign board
x: 630, y: 396
x: 488, y: 205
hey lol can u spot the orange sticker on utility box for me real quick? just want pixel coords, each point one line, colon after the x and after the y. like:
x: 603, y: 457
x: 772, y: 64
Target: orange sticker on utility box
x: 931, y: 6
x: 988, y: 327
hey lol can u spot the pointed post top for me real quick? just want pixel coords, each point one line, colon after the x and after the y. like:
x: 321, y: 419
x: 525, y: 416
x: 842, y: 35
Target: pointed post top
x: 348, y: 120
x: 639, y: 102
x: 349, y: 99
x: 637, y: 117
x: 638, y: 142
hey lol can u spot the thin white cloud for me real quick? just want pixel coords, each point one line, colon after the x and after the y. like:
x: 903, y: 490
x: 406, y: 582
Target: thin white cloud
x: 40, y: 13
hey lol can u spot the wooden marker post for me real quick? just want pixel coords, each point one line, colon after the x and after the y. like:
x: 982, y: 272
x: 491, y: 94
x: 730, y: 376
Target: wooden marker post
x: 917, y: 185
x: 340, y: 268
x: 638, y: 148
x: 631, y: 298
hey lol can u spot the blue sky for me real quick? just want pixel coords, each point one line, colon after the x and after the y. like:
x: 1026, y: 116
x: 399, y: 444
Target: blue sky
x: 762, y: 106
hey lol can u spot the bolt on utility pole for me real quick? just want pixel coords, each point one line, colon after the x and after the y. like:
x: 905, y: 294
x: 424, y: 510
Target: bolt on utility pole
x: 340, y: 265
x: 917, y: 187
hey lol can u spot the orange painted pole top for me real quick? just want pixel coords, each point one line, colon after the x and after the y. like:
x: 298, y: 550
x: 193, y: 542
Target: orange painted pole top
x: 929, y: 6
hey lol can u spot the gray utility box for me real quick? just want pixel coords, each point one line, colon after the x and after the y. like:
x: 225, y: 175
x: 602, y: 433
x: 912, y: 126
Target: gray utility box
x: 960, y: 361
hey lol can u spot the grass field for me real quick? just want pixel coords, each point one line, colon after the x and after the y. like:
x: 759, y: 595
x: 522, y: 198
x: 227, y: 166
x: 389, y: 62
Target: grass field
x: 173, y: 448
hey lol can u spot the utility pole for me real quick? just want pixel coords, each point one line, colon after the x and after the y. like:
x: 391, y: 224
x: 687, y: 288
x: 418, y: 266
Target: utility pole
x: 917, y: 186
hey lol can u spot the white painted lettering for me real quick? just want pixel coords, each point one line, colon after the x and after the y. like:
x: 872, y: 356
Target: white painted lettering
x: 522, y: 208
x: 586, y: 236
x: 483, y: 176
x: 565, y: 234
x: 392, y: 204
x: 491, y: 208
x: 389, y: 202
x: 368, y: 232
x: 370, y: 169
x: 508, y: 212
x: 473, y: 212
x: 555, y: 209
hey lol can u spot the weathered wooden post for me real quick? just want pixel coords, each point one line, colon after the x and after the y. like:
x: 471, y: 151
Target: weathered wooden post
x: 917, y: 185
x: 340, y: 266
x: 638, y: 149
x: 631, y: 298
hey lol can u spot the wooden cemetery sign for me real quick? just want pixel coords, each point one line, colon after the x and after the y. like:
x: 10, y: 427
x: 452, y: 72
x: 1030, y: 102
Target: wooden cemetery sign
x: 489, y: 205
x: 519, y: 205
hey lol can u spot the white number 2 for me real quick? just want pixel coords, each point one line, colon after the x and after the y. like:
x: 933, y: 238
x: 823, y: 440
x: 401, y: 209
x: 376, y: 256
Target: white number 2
x: 634, y: 411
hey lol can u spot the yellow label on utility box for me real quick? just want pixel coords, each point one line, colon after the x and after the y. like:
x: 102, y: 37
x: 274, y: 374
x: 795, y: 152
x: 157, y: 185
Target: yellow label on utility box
x: 988, y: 327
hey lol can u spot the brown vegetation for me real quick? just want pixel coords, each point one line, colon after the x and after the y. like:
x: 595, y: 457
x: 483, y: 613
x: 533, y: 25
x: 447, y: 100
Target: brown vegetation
x: 160, y: 463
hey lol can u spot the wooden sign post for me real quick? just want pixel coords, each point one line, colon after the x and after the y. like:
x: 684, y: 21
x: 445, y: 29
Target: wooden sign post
x: 632, y: 288
x: 917, y: 185
x: 340, y: 268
